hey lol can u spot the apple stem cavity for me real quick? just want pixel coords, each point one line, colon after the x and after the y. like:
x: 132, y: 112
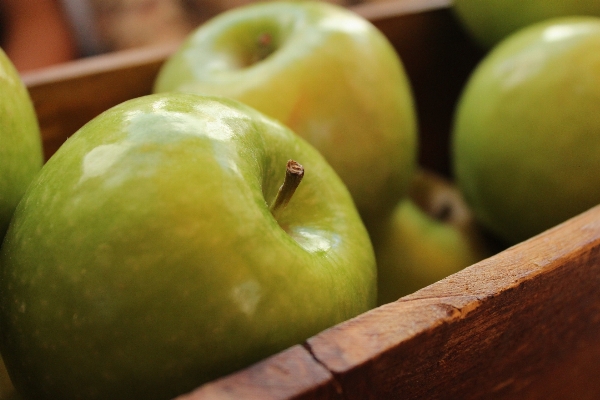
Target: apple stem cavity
x: 294, y: 172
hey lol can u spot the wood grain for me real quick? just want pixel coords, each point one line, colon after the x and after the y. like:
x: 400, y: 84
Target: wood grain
x: 291, y: 374
x: 507, y: 327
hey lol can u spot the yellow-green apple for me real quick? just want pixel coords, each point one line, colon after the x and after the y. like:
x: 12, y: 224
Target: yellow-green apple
x: 20, y: 141
x: 323, y: 71
x: 431, y: 235
x: 490, y: 21
x: 526, y: 138
x: 158, y: 249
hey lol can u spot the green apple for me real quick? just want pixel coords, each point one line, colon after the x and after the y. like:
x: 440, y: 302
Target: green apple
x: 431, y: 235
x: 490, y: 21
x: 526, y: 138
x: 150, y: 254
x: 323, y: 71
x: 20, y: 141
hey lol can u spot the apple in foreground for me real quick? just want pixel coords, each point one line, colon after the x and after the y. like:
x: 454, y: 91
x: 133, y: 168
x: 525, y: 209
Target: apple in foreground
x: 323, y: 71
x: 431, y: 235
x: 20, y: 141
x: 153, y: 252
x: 526, y: 137
x: 490, y: 21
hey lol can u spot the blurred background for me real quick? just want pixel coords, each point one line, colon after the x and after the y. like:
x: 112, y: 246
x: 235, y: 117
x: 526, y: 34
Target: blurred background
x: 38, y: 33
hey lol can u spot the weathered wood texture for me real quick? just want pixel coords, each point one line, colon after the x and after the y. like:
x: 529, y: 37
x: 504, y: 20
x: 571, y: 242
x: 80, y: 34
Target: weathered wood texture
x: 523, y: 324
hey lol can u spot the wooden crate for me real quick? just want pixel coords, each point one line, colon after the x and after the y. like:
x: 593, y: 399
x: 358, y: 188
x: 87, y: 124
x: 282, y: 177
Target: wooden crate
x: 524, y: 324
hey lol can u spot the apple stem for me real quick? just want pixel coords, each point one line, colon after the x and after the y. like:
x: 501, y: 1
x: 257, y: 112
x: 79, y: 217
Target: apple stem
x: 294, y: 172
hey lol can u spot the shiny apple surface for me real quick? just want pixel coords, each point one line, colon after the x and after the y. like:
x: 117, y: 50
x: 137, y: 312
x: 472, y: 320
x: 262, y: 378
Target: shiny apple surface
x: 144, y: 260
x: 526, y: 139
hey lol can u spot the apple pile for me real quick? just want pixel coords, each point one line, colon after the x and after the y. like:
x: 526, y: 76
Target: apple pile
x: 318, y: 70
x: 238, y: 210
x: 178, y: 237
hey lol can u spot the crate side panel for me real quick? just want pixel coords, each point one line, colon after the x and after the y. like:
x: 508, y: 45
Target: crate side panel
x: 523, y: 332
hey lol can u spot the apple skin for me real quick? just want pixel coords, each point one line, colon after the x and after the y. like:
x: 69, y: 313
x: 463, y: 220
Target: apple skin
x: 490, y: 21
x: 144, y: 260
x: 526, y: 136
x: 325, y: 72
x: 431, y: 235
x: 21, y: 154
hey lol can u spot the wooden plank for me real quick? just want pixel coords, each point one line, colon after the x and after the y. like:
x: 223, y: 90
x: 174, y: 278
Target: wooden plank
x: 522, y: 324
x: 291, y: 374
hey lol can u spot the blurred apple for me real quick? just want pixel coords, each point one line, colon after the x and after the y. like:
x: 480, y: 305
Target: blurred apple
x: 323, y: 71
x: 490, y: 21
x: 155, y: 251
x: 526, y: 137
x: 20, y: 141
x: 430, y: 236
